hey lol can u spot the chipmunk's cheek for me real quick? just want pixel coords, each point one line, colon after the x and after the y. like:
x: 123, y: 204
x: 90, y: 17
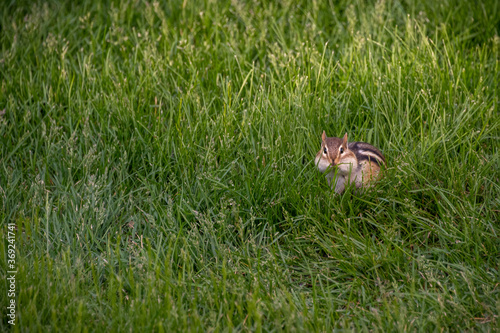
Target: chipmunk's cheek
x: 322, y: 164
x: 345, y: 167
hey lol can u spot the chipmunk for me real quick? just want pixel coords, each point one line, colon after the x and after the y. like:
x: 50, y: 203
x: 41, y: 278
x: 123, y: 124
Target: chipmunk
x: 357, y: 162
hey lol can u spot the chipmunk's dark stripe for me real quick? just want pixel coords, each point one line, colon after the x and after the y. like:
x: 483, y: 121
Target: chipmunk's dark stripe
x: 371, y: 153
x: 362, y: 157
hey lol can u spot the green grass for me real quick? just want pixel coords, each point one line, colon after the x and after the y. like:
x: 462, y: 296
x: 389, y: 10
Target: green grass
x: 157, y: 160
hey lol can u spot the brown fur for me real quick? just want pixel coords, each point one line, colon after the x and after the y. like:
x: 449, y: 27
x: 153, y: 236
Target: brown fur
x: 357, y: 162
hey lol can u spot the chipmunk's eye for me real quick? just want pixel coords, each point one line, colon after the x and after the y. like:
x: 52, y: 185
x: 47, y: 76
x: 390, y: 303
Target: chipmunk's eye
x: 324, y: 151
x: 341, y: 150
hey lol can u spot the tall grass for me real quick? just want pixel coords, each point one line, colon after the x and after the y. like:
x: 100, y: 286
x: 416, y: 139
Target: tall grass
x: 157, y: 160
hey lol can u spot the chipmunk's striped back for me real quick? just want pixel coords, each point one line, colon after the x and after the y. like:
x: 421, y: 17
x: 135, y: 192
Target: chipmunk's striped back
x: 366, y: 152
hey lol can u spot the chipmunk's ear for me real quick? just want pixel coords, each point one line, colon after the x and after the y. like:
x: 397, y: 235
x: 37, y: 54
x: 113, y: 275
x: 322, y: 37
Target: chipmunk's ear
x: 344, y: 141
x: 323, y: 136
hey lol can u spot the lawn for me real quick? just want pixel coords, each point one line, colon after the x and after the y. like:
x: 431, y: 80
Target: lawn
x: 157, y: 165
